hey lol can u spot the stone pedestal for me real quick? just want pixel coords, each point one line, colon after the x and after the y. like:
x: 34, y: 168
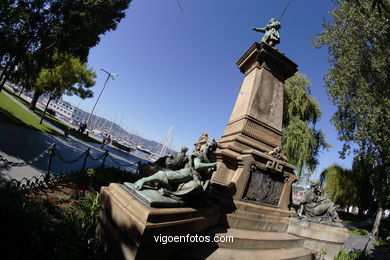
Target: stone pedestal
x: 128, y: 227
x: 253, y: 176
x: 319, y: 236
x: 245, y: 168
x: 256, y: 120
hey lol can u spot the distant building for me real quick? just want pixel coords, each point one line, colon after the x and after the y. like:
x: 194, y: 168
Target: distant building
x: 297, y: 194
x: 65, y: 110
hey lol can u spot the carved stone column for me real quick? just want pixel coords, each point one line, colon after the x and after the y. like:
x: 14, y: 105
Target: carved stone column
x: 256, y: 120
x: 245, y: 169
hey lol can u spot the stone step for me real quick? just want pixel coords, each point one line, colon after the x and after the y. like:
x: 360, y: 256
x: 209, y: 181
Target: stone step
x: 260, y: 209
x: 273, y: 254
x: 249, y: 239
x: 245, y: 221
x: 260, y: 216
x: 196, y: 253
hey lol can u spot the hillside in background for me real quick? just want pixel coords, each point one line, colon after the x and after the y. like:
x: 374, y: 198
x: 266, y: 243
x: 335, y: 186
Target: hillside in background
x: 107, y: 126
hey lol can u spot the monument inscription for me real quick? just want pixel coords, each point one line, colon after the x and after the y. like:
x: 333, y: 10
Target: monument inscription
x: 264, y: 187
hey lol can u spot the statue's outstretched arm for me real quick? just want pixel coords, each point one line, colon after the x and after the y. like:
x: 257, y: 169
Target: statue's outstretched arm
x: 258, y: 29
x: 198, y: 165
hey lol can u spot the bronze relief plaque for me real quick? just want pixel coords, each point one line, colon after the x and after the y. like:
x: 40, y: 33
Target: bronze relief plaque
x: 264, y: 187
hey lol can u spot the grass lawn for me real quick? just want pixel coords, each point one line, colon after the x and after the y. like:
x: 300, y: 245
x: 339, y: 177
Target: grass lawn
x: 13, y: 113
x: 363, y: 231
x: 52, y: 120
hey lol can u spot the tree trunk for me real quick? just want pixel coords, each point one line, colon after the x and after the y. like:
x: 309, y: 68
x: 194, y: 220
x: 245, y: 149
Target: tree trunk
x: 3, y: 81
x: 44, y: 111
x: 360, y: 212
x: 378, y: 218
x: 4, y: 76
x: 34, y: 100
x: 21, y: 91
x: 10, y: 65
x: 4, y: 71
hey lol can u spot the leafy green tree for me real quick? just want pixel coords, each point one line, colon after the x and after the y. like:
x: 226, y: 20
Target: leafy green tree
x: 21, y: 24
x: 70, y: 76
x: 81, y: 23
x: 76, y: 28
x: 361, y: 176
x: 301, y: 142
x: 349, y: 187
x: 382, y: 6
x: 31, y: 31
x: 339, y: 186
x: 358, y: 84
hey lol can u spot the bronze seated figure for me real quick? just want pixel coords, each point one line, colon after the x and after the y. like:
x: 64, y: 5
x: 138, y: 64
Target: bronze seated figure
x: 191, y: 180
x: 317, y: 208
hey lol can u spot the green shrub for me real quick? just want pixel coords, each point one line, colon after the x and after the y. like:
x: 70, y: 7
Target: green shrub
x: 78, y: 229
x: 26, y: 227
x: 353, y: 255
x: 33, y: 227
x: 84, y: 215
x: 359, y: 231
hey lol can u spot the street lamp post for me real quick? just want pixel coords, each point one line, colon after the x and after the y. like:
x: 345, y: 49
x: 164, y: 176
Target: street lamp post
x: 105, y: 83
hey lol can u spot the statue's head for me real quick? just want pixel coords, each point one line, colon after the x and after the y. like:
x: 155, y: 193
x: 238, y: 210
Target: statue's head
x: 210, y: 146
x: 184, y: 149
x: 274, y: 23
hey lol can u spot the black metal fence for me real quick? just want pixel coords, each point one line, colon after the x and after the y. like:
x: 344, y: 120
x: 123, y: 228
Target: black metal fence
x: 50, y: 178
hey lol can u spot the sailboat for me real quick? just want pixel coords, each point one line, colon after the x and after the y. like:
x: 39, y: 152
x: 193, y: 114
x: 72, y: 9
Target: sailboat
x: 163, y: 146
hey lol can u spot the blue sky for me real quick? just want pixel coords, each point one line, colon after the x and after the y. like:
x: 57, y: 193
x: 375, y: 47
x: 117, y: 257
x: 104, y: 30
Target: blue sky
x: 178, y: 68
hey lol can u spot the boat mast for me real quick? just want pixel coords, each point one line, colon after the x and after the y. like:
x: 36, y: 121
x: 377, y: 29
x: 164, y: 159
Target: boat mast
x: 166, y: 142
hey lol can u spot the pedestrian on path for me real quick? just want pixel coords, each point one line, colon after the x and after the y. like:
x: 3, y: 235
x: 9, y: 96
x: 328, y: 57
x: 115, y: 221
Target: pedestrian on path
x: 67, y: 132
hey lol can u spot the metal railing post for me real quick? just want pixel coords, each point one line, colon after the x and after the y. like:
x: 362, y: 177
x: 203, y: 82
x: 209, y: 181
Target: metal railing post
x: 52, y: 153
x: 106, y: 153
x: 85, y: 160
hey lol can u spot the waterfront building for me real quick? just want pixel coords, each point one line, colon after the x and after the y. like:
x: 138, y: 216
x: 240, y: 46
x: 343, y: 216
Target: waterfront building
x: 65, y: 110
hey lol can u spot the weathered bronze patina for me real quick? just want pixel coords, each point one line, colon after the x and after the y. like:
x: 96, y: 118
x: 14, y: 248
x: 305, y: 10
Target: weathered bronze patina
x: 272, y: 35
x: 191, y: 180
x: 264, y: 188
x: 173, y: 162
x: 317, y: 208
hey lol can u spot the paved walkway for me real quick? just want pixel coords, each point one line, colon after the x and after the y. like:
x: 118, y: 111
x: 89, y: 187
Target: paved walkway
x: 365, y: 243
x: 20, y: 144
x: 357, y: 242
x: 135, y: 153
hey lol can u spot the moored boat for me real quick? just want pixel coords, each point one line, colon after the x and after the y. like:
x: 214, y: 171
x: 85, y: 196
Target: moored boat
x: 121, y: 146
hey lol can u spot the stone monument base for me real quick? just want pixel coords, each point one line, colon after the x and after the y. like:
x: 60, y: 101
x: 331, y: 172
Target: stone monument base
x: 319, y: 236
x: 128, y: 227
x: 259, y: 234
x: 257, y: 217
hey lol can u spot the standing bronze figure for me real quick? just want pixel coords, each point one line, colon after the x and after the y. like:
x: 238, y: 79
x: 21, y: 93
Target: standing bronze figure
x: 272, y: 35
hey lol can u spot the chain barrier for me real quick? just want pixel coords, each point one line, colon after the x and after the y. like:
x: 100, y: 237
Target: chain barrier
x: 44, y: 180
x: 21, y: 164
x: 97, y: 159
x: 118, y: 163
x: 36, y: 182
x: 69, y: 161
